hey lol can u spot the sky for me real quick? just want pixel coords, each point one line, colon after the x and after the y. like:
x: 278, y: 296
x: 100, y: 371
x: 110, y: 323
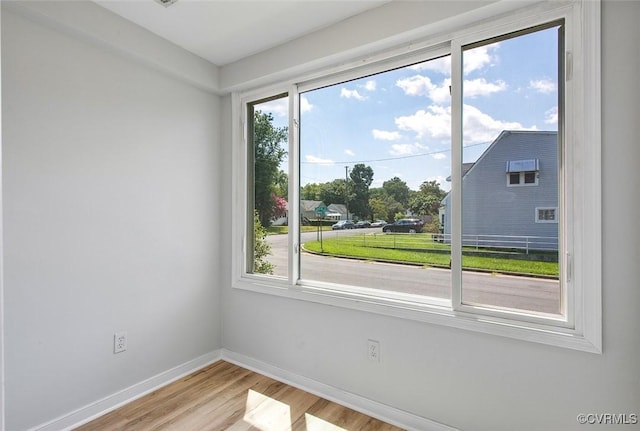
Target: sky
x: 399, y: 122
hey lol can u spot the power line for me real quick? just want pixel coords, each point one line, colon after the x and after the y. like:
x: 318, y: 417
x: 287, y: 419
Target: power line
x: 390, y: 158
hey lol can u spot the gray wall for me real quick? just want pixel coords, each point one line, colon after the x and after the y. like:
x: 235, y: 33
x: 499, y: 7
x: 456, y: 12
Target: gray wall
x: 113, y: 174
x: 111, y: 190
x: 469, y: 380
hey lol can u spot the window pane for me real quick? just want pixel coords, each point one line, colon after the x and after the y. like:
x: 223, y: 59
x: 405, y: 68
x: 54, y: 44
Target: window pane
x: 268, y: 222
x: 375, y: 151
x: 529, y: 177
x: 510, y: 118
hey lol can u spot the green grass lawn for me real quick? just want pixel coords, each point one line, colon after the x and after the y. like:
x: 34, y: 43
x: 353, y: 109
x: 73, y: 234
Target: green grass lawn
x: 283, y: 230
x: 420, y: 249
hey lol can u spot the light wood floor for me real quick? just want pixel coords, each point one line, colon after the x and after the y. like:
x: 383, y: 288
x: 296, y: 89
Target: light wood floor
x: 224, y: 396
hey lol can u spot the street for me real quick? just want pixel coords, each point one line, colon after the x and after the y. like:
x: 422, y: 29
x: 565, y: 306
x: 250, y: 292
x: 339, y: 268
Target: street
x: 524, y: 293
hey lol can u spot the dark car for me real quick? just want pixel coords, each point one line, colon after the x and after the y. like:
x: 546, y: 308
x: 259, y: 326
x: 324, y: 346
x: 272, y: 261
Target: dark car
x: 362, y: 224
x: 407, y: 225
x: 343, y: 224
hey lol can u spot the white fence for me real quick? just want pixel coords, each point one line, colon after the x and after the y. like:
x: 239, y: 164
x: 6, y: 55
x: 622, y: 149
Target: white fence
x: 518, y: 242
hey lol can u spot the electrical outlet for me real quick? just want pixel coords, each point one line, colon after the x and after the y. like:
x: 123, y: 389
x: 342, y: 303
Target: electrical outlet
x: 373, y: 350
x: 119, y: 342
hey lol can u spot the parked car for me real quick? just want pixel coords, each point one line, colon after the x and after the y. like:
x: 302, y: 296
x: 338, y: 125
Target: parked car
x: 407, y: 225
x: 362, y: 224
x: 343, y: 224
x: 378, y: 223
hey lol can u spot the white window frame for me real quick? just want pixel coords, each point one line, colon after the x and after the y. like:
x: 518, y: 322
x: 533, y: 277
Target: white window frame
x: 521, y: 182
x: 555, y: 215
x: 581, y: 195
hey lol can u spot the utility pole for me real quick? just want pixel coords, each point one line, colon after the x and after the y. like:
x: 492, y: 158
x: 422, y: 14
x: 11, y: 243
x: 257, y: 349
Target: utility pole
x: 346, y: 189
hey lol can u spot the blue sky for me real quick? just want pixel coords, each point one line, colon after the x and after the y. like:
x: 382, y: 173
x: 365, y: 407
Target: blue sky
x: 398, y: 122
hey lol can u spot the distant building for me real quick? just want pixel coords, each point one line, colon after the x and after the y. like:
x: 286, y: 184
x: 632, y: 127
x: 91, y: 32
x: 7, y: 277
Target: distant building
x: 308, y: 209
x: 510, y: 194
x: 337, y: 211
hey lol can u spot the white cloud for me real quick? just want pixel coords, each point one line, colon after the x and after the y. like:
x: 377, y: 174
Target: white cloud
x: 435, y: 123
x: 480, y: 87
x: 407, y: 149
x: 279, y: 107
x: 419, y: 85
x: 305, y: 105
x: 351, y: 94
x: 370, y: 85
x: 439, y: 156
x: 480, y: 127
x: 551, y: 116
x: 544, y: 86
x: 348, y: 152
x: 474, y: 59
x: 385, y: 135
x: 440, y: 65
x: 478, y: 58
x: 318, y: 160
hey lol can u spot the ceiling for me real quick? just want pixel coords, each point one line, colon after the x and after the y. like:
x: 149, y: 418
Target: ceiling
x: 223, y: 31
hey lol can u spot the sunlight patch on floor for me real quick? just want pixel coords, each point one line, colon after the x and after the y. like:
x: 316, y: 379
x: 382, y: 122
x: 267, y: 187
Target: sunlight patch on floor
x: 267, y: 414
x: 316, y: 424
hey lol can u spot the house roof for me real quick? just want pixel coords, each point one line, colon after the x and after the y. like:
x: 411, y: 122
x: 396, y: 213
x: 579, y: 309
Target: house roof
x: 465, y: 169
x: 306, y: 205
x: 522, y: 134
x: 338, y: 208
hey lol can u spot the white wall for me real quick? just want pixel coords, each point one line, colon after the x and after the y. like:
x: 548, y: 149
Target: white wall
x: 468, y: 380
x: 111, y: 210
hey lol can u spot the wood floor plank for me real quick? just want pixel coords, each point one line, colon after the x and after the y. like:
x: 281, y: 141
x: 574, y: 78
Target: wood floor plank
x: 223, y: 396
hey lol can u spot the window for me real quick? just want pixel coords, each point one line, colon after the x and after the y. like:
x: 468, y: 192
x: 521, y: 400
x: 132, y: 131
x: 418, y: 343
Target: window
x: 426, y: 136
x: 522, y: 178
x: 359, y: 152
x: 546, y: 215
x: 267, y: 129
x: 523, y: 89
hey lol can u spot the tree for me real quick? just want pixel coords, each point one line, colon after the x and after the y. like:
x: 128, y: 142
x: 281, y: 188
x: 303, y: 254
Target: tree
x: 269, y: 153
x: 333, y: 192
x: 261, y: 248
x: 397, y: 189
x: 311, y: 192
x: 427, y: 199
x: 378, y: 208
x: 282, y: 184
x: 361, y: 179
x: 279, y: 206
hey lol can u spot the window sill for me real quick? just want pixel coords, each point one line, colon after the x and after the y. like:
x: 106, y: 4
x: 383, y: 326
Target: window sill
x: 436, y: 312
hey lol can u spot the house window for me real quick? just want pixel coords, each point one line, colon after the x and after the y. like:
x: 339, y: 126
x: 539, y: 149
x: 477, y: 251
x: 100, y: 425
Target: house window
x: 530, y: 177
x: 525, y: 172
x: 546, y: 215
x: 377, y: 140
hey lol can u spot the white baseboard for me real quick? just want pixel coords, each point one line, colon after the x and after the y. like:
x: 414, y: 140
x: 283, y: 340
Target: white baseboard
x: 388, y: 414
x: 112, y: 402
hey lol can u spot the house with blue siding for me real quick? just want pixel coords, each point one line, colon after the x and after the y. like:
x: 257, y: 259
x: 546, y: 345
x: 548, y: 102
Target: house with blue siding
x: 510, y: 194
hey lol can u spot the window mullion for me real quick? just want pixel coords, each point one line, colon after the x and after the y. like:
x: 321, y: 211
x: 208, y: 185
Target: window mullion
x: 456, y: 174
x: 294, y: 185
